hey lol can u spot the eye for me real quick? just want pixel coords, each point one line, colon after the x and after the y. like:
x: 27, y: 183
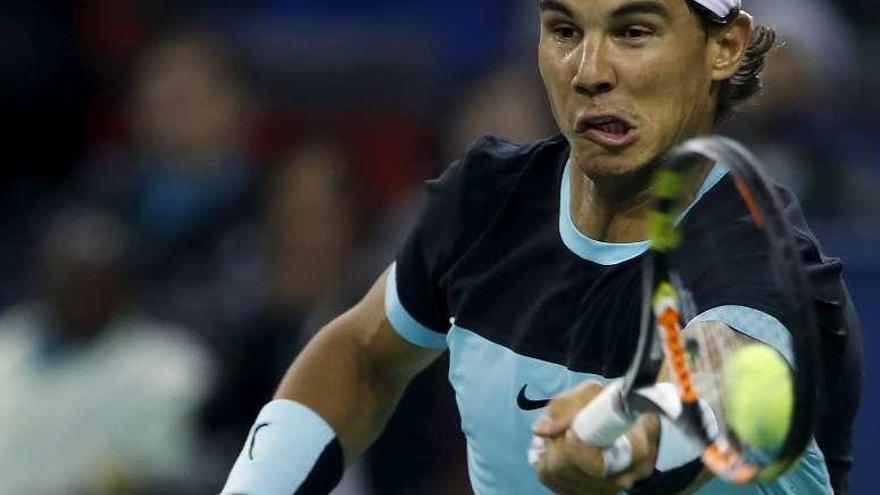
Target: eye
x: 635, y: 32
x: 565, y: 32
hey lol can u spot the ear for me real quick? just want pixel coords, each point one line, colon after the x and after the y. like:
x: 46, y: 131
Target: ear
x: 728, y: 45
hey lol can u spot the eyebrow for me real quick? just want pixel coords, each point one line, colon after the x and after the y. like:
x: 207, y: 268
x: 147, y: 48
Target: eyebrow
x: 555, y: 6
x: 642, y: 7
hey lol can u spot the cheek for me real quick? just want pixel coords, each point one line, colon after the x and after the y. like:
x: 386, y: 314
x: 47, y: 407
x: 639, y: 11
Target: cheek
x: 672, y: 92
x: 548, y: 66
x: 554, y: 74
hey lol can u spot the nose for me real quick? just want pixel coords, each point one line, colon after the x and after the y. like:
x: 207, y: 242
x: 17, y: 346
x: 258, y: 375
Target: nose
x: 595, y: 74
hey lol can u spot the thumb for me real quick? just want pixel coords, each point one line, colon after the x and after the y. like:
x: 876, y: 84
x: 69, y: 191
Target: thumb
x: 546, y: 426
x: 563, y: 408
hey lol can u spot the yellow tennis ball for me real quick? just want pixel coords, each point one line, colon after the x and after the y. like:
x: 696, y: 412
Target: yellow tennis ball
x: 758, y: 395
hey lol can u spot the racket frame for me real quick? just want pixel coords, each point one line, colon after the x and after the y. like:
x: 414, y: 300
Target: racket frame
x: 661, y: 340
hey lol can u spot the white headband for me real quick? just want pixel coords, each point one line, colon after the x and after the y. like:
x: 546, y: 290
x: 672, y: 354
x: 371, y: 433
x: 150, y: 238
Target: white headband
x: 721, y: 8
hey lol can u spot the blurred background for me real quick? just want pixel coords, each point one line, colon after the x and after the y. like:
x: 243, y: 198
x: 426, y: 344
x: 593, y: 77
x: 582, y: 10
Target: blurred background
x: 191, y: 189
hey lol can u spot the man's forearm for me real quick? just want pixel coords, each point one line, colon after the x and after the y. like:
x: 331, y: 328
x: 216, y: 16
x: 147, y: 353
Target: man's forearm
x: 336, y: 378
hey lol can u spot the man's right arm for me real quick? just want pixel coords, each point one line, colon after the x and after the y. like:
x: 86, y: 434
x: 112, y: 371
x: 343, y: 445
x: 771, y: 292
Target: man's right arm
x: 340, y: 390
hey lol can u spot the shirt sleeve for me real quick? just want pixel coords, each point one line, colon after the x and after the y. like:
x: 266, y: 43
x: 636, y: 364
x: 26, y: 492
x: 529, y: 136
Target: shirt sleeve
x: 416, y: 299
x: 755, y: 324
x: 404, y: 322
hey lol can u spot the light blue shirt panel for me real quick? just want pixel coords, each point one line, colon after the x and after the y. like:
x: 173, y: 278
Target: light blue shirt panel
x: 487, y: 378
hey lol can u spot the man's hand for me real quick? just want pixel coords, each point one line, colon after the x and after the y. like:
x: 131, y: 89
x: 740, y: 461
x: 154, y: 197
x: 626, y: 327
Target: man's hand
x: 570, y: 467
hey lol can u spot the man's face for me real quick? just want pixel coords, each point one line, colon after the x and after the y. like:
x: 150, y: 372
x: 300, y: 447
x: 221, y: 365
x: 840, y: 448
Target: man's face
x: 627, y: 79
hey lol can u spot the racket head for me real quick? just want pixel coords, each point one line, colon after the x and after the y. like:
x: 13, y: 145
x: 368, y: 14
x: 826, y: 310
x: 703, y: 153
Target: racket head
x: 697, y: 363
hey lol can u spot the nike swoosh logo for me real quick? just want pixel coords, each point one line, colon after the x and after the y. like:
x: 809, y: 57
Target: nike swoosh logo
x: 254, y: 439
x: 527, y: 404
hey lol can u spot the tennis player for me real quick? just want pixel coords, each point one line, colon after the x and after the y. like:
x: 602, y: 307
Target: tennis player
x: 525, y: 267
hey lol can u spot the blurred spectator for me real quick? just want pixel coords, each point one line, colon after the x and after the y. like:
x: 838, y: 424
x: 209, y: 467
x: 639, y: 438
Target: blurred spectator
x: 819, y: 154
x: 96, y: 398
x: 308, y: 233
x: 185, y: 183
x: 508, y: 102
x: 822, y: 155
x: 42, y: 88
x: 311, y: 225
x: 826, y: 41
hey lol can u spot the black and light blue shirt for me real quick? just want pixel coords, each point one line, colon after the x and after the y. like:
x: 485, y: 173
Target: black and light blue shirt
x: 496, y: 271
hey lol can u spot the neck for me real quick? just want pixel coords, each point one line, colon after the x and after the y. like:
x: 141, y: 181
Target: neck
x: 615, y: 209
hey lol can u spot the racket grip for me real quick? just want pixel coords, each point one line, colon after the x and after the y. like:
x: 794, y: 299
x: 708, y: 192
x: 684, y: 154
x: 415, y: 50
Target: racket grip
x: 604, y: 419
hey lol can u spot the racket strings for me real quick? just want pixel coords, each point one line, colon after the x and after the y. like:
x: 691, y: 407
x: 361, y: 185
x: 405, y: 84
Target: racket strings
x: 712, y: 343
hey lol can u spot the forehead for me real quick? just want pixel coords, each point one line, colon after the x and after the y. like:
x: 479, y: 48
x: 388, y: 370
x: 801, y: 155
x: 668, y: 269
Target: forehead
x: 592, y: 8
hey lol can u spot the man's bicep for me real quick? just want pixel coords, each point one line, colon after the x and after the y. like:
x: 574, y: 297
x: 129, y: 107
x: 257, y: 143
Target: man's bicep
x: 380, y: 326
x: 353, y: 372
x: 361, y: 348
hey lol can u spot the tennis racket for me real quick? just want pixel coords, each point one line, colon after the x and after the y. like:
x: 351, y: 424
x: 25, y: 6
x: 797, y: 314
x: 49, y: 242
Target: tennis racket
x: 693, y: 398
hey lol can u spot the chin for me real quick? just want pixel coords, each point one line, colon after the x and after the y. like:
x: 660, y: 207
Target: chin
x: 598, y: 163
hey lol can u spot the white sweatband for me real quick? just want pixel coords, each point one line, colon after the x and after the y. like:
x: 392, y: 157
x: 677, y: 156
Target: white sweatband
x: 618, y: 457
x: 615, y: 459
x: 721, y: 8
x: 290, y: 450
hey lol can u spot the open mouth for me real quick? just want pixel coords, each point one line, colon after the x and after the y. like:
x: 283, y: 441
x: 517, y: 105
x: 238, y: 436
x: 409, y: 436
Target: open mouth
x: 607, y: 130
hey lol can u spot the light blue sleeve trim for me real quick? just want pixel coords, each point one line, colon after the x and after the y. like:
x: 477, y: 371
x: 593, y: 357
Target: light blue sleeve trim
x: 756, y: 324
x: 284, y: 444
x: 715, y: 175
x: 408, y: 327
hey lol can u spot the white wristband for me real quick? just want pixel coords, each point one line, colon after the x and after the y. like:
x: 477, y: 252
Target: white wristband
x: 288, y: 444
x: 618, y: 457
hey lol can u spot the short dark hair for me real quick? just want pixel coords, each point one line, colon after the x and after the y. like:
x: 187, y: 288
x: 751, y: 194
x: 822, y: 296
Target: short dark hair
x: 747, y: 80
